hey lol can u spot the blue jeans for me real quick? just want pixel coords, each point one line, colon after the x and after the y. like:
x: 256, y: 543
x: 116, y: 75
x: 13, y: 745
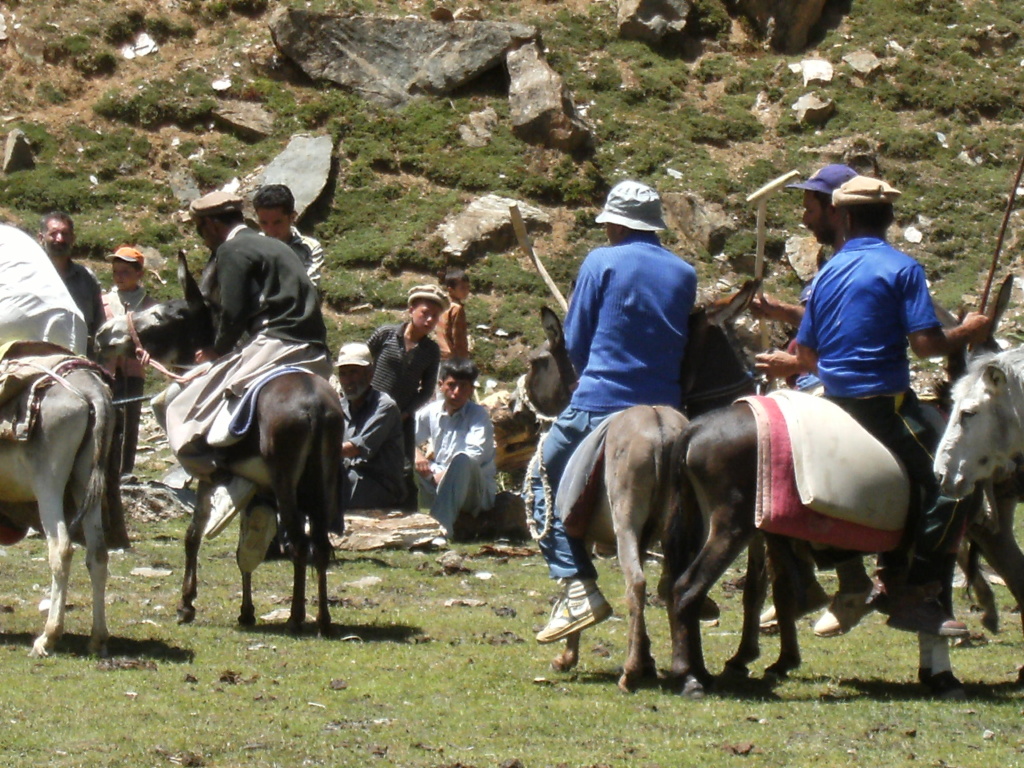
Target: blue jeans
x: 566, y: 555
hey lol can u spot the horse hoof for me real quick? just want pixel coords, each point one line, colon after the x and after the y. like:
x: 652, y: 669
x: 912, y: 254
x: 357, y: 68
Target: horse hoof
x: 186, y: 615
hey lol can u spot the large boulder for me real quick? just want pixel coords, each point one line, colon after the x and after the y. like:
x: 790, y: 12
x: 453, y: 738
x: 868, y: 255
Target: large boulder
x: 486, y: 225
x: 18, y: 154
x: 541, y: 107
x: 652, y: 20
x: 391, y: 60
x: 304, y: 167
x: 702, y: 226
x: 786, y: 23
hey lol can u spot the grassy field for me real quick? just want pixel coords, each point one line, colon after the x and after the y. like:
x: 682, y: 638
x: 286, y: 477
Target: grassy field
x: 412, y: 678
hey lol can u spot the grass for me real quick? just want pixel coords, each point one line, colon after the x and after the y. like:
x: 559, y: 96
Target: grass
x: 409, y: 681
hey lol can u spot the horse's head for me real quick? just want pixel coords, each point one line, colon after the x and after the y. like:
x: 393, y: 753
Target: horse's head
x: 170, y: 332
x: 985, y: 433
x: 551, y: 377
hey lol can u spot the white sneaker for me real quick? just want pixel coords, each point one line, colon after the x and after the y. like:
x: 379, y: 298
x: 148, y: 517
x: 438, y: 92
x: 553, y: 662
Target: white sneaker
x: 580, y: 607
x: 843, y: 614
x: 258, y: 526
x: 225, y: 501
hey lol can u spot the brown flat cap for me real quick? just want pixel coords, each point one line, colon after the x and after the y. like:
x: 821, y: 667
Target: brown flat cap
x: 428, y: 292
x: 215, y: 204
x: 863, y: 190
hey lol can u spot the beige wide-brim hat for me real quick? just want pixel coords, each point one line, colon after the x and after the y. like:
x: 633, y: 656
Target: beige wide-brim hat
x: 864, y: 190
x: 430, y: 293
x: 354, y: 354
x: 633, y: 205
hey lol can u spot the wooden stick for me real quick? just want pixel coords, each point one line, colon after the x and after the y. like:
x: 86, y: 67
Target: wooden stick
x: 519, y: 226
x: 1002, y: 233
x: 761, y: 198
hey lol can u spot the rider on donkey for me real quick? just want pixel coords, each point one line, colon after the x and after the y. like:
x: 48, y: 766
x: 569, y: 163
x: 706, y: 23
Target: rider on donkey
x: 626, y: 332
x: 869, y: 301
x: 266, y: 315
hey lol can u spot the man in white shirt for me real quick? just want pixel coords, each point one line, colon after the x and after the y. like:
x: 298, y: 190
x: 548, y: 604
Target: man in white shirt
x: 35, y: 305
x: 456, y: 474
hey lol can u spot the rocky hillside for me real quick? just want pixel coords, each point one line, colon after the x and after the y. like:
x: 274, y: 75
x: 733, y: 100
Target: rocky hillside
x: 119, y: 112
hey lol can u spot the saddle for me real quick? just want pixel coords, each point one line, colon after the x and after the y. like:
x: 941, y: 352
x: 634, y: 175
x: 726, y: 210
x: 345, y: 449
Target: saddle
x: 823, y: 478
x: 27, y: 370
x: 236, y: 416
x: 577, y: 494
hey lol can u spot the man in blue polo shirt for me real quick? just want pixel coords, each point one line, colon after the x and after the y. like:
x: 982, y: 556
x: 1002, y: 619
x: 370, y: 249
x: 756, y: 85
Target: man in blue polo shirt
x: 870, y: 303
x: 626, y: 333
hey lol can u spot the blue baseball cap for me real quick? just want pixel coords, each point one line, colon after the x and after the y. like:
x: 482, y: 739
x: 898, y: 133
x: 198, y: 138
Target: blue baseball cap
x: 827, y: 180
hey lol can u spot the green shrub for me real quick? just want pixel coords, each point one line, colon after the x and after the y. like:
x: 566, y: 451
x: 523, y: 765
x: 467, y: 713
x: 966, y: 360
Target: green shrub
x: 182, y: 101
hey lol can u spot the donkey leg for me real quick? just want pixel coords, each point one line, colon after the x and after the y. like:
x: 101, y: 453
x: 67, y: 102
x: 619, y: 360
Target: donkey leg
x: 570, y: 655
x: 321, y: 561
x: 193, y: 540
x: 639, y: 661
x: 97, y: 563
x: 59, y: 548
x: 785, y: 575
x: 247, y: 612
x: 755, y: 589
x: 292, y: 522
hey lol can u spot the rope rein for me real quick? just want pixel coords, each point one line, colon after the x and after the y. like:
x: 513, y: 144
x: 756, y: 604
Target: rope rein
x: 152, y: 361
x: 536, y: 465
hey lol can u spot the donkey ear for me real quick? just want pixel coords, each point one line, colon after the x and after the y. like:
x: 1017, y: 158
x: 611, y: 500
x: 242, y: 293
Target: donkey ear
x: 188, y: 284
x: 1002, y: 301
x: 552, y: 326
x: 725, y: 310
x: 995, y: 378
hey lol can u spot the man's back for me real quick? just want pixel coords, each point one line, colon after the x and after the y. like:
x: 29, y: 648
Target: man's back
x: 626, y: 329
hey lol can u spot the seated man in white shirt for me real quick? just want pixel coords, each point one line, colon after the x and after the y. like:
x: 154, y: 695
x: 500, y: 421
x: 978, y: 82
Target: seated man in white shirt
x: 456, y: 473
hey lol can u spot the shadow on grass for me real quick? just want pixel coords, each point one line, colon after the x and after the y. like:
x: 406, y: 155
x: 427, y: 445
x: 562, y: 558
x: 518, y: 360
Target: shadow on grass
x: 71, y: 644
x: 734, y: 687
x: 392, y: 633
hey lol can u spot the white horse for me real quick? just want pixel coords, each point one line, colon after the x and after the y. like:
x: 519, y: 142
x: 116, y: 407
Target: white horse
x: 985, y: 433
x: 55, y: 481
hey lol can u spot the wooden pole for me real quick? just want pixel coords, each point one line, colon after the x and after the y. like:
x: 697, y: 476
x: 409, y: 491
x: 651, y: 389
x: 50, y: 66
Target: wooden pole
x: 1002, y: 233
x: 519, y: 226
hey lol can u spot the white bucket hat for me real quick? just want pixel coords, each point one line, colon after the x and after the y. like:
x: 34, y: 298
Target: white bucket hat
x: 633, y: 205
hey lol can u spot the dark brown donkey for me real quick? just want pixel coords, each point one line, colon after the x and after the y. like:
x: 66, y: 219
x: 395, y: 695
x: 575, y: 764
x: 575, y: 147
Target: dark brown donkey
x: 636, y: 487
x: 293, y: 452
x: 717, y: 459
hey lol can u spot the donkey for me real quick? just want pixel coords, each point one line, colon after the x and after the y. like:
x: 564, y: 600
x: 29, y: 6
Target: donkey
x: 55, y: 481
x: 635, y: 490
x: 293, y: 452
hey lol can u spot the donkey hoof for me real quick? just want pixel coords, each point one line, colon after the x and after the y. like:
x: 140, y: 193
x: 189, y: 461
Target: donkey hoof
x: 563, y: 662
x: 734, y: 671
x: 324, y: 630
x: 692, y: 689
x: 776, y: 673
x: 626, y: 684
x: 247, y: 619
x: 186, y: 615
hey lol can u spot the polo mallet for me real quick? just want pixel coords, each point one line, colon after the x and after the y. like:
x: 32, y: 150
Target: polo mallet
x: 519, y: 226
x: 1002, y: 233
x: 761, y: 198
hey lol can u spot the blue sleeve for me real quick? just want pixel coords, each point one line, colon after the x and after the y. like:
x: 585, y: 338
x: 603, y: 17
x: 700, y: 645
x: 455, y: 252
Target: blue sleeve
x: 918, y: 310
x: 806, y: 335
x: 581, y: 319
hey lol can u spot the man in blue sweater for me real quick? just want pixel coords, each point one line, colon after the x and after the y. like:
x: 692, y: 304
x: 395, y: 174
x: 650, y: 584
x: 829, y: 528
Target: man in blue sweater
x: 626, y: 333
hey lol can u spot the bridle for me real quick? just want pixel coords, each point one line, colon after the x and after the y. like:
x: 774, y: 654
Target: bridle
x: 153, y: 362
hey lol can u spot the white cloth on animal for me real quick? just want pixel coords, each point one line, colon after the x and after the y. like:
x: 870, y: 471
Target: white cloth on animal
x: 34, y: 303
x: 193, y: 410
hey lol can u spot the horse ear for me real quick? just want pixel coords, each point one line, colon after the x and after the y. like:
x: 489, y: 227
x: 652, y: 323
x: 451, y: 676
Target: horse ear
x: 188, y: 284
x: 552, y: 326
x: 725, y: 310
x: 1002, y: 301
x: 995, y: 378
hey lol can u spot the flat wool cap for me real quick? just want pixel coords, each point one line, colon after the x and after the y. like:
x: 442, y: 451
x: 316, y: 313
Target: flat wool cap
x: 430, y: 293
x: 215, y: 203
x: 864, y: 190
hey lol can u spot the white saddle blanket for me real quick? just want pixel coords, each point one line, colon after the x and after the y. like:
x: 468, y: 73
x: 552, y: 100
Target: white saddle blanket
x: 841, y: 469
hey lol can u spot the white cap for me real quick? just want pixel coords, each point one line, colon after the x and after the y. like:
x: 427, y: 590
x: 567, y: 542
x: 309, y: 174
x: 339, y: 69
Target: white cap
x: 633, y: 205
x: 354, y: 354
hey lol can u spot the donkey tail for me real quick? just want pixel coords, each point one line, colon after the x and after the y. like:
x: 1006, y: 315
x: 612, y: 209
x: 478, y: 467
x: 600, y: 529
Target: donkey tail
x: 99, y: 438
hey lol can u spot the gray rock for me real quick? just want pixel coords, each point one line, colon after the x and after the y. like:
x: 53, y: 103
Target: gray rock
x: 540, y: 105
x: 803, y: 253
x: 486, y: 225
x: 787, y: 24
x: 303, y: 167
x: 864, y: 63
x: 652, y: 20
x: 3, y: 29
x: 390, y: 60
x: 811, y: 108
x: 245, y: 118
x: 701, y: 225
x: 476, y: 132
x: 183, y: 186
x: 18, y: 153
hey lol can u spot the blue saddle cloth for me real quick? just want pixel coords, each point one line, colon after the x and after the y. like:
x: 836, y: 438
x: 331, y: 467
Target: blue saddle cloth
x: 243, y: 417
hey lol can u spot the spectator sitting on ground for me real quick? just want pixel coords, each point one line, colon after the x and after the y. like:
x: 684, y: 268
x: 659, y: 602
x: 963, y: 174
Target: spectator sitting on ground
x: 456, y: 475
x: 372, y: 475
